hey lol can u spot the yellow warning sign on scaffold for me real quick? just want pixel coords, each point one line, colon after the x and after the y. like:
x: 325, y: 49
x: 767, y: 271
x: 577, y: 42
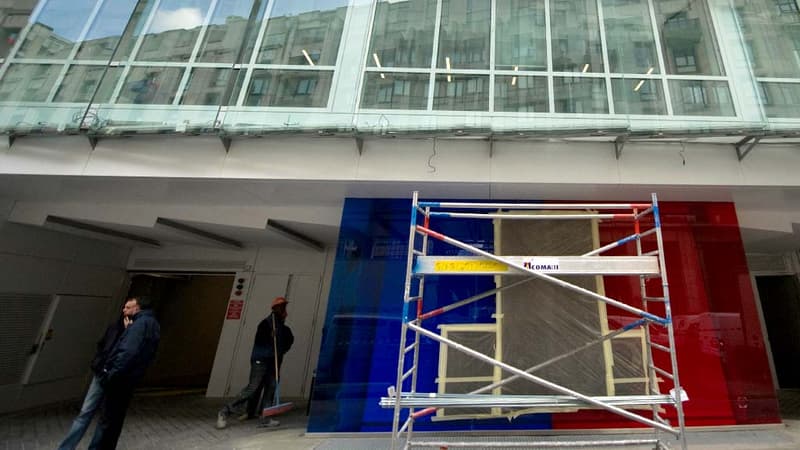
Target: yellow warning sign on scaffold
x: 468, y: 265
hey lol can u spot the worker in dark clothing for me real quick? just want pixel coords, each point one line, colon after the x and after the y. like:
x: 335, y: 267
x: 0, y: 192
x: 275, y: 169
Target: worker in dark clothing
x: 123, y: 370
x: 262, y: 362
x: 94, y: 395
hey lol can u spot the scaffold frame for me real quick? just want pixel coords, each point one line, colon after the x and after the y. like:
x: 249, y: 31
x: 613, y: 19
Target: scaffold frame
x: 651, y: 264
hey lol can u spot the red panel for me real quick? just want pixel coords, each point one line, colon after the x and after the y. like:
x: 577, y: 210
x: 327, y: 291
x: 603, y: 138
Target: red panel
x: 721, y: 356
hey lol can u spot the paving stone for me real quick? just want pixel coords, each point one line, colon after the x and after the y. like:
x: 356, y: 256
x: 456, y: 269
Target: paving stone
x: 187, y: 422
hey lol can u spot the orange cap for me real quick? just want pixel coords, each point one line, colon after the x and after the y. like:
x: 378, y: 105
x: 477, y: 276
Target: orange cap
x: 279, y: 301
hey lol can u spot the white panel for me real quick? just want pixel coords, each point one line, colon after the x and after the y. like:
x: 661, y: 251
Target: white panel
x: 10, y: 395
x: 27, y: 240
x: 219, y: 381
x: 64, y: 155
x: 319, y: 319
x: 21, y: 316
x: 772, y: 165
x: 549, y: 162
x: 6, y: 205
x: 383, y: 160
x: 102, y: 253
x: 277, y: 260
x: 178, y: 156
x: 70, y: 336
x: 92, y: 280
x: 285, y: 158
x: 678, y: 164
x: 264, y: 289
x: 190, y: 258
x: 428, y: 189
x: 31, y: 274
x: 297, y: 365
x: 409, y: 159
x: 758, y: 219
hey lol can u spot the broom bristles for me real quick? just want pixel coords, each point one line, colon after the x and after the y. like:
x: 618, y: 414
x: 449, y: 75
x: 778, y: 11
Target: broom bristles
x: 277, y: 409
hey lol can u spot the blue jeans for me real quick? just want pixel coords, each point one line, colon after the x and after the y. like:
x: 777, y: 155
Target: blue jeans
x: 81, y: 423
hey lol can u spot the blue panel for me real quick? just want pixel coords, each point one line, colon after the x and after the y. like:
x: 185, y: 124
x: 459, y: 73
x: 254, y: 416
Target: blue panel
x: 361, y: 338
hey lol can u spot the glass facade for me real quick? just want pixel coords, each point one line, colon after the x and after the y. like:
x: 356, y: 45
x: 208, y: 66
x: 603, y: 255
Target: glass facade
x: 721, y: 353
x: 402, y: 65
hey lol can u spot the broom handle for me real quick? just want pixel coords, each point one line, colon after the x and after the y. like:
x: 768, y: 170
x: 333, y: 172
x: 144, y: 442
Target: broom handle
x: 276, y: 400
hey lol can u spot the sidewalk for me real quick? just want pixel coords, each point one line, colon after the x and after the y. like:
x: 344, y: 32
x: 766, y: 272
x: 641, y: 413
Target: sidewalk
x: 187, y: 422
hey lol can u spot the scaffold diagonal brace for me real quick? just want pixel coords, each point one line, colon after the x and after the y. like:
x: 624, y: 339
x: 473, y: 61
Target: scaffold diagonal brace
x: 625, y: 307
x: 541, y: 381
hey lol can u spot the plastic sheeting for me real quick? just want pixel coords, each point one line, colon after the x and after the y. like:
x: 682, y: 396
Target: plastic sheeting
x: 540, y: 321
x: 460, y: 365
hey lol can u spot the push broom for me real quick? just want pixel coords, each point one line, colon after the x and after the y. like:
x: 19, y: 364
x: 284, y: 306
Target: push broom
x: 277, y: 407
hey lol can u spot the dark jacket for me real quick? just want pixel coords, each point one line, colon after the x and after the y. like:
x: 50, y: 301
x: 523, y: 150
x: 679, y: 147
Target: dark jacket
x: 134, y: 350
x: 263, y: 345
x: 105, y: 344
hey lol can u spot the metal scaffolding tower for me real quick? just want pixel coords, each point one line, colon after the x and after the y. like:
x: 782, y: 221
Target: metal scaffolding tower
x: 645, y: 264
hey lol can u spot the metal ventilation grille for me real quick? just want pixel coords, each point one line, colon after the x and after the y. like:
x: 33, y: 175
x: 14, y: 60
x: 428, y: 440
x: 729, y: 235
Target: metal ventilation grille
x: 21, y: 316
x: 767, y: 263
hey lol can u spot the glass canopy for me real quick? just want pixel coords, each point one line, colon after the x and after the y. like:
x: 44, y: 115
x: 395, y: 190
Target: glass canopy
x: 402, y: 66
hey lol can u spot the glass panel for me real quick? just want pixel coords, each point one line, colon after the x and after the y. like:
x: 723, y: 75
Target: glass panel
x: 234, y: 23
x: 520, y: 35
x: 174, y: 31
x: 105, y: 32
x: 208, y: 87
x: 575, y: 36
x: 687, y: 38
x: 151, y: 85
x: 464, y: 34
x: 781, y: 99
x: 28, y: 82
x: 402, y: 35
x: 520, y: 94
x: 629, y: 36
x: 57, y: 29
x: 12, y: 21
x: 134, y: 29
x: 772, y: 36
x: 395, y: 91
x: 303, y: 88
x: 632, y: 96
x: 238, y: 82
x: 580, y: 95
x: 304, y: 32
x: 701, y: 98
x: 80, y: 83
x: 461, y: 93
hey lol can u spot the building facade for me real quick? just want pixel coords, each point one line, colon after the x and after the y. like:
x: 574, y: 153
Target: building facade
x: 243, y: 117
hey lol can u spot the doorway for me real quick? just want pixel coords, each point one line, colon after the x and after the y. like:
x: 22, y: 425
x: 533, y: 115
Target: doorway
x: 780, y: 303
x: 191, y: 311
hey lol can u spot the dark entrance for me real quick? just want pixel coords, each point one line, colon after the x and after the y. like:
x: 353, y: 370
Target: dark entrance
x: 780, y: 301
x: 191, y: 311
